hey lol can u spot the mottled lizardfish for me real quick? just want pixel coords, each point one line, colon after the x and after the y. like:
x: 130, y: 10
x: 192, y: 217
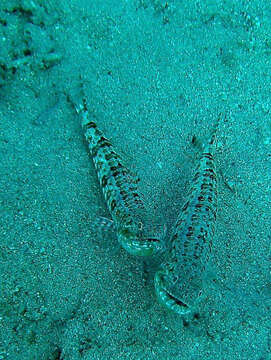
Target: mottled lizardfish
x: 178, y: 283
x: 119, y: 187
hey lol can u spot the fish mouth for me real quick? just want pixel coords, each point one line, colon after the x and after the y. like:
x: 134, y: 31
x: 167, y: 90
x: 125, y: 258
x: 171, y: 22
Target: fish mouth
x: 167, y: 299
x: 140, y: 247
x: 176, y: 300
x: 137, y: 243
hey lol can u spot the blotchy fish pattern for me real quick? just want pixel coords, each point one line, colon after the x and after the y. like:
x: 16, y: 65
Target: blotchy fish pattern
x: 119, y: 187
x: 178, y: 284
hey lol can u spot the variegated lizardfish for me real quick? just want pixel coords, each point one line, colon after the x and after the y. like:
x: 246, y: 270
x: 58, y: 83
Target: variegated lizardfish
x: 119, y: 186
x: 178, y: 283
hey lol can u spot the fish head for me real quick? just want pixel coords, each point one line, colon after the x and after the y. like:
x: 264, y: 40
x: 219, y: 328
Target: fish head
x: 137, y: 240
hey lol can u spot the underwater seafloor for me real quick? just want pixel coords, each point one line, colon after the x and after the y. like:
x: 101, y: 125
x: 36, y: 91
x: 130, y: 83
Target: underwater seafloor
x: 156, y: 74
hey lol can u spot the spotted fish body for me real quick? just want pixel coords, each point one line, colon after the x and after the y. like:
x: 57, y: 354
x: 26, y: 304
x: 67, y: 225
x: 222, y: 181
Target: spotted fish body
x: 178, y: 284
x: 119, y: 188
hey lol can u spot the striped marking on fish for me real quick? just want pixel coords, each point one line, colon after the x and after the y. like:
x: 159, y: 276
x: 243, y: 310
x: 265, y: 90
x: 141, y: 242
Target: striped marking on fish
x: 178, y: 283
x: 119, y: 187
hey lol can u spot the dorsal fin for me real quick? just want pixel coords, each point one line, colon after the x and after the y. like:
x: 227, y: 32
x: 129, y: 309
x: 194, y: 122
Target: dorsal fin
x: 201, y: 145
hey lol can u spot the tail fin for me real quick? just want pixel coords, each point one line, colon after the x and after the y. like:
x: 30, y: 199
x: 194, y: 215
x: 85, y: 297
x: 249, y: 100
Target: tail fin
x: 212, y: 139
x: 77, y: 98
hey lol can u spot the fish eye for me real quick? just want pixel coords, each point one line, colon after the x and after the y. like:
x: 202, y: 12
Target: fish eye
x: 140, y: 226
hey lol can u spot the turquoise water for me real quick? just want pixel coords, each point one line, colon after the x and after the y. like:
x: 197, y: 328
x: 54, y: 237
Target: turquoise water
x: 156, y: 74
